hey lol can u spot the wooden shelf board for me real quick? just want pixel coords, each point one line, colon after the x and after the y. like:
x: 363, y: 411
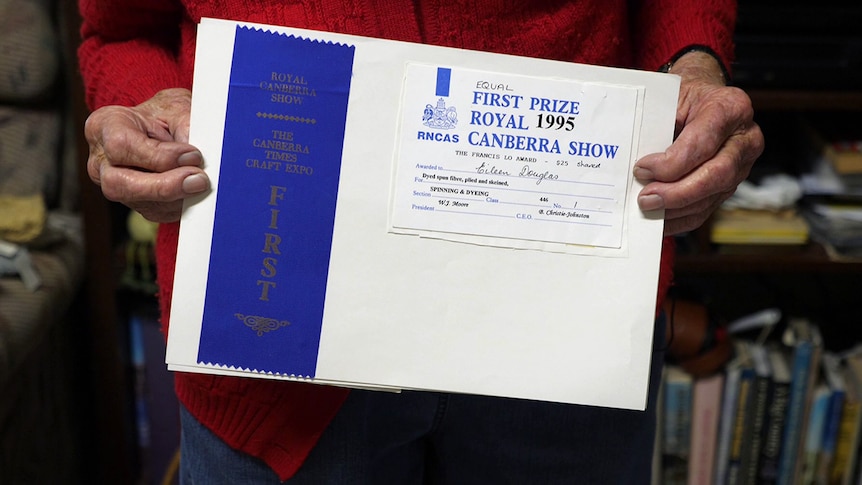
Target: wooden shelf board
x: 802, y: 100
x: 809, y: 258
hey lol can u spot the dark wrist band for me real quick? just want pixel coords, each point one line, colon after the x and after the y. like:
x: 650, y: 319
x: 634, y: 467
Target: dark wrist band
x: 696, y: 48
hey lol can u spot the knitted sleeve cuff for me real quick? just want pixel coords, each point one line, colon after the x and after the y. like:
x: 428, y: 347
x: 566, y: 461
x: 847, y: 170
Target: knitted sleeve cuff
x: 127, y: 50
x: 124, y: 73
x: 665, y: 29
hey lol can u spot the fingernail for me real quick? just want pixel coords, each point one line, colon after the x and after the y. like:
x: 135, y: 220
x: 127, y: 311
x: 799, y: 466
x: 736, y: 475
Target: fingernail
x: 641, y: 173
x: 193, y: 158
x: 650, y: 202
x: 196, y: 183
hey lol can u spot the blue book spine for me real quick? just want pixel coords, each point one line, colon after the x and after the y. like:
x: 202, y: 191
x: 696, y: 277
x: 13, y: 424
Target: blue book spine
x: 795, y: 412
x: 831, y: 429
x: 814, y: 434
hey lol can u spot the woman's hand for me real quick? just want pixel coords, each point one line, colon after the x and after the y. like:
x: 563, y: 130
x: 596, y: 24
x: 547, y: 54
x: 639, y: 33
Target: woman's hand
x: 141, y: 157
x: 716, y: 145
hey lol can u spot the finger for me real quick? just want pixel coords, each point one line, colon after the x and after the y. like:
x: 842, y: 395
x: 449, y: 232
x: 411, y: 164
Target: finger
x: 702, y: 208
x: 683, y: 223
x: 171, y: 111
x: 123, y: 136
x: 130, y: 186
x: 181, y: 132
x: 159, y: 212
x: 718, y: 119
x: 721, y: 174
x: 720, y: 115
x: 700, y: 140
x: 168, y: 125
x: 123, y: 146
x: 716, y: 176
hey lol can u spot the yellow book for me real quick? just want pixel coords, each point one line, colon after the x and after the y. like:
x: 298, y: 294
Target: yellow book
x: 851, y: 424
x: 845, y: 158
x: 741, y: 226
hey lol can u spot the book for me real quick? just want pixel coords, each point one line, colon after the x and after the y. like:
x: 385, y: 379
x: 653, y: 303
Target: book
x: 657, y: 451
x: 847, y: 448
x: 758, y: 227
x: 705, y: 415
x: 833, y: 378
x: 744, y: 416
x: 804, y: 338
x: 845, y: 156
x: 138, y: 361
x: 370, y: 214
x: 157, y: 407
x: 727, y: 420
x: 813, y: 439
x: 762, y: 393
x: 677, y: 425
x: 776, y: 413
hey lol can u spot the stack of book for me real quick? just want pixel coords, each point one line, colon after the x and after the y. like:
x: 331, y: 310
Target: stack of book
x: 761, y: 227
x: 845, y: 158
x: 763, y: 214
x: 782, y: 413
x: 836, y: 157
x: 832, y: 203
x: 837, y: 225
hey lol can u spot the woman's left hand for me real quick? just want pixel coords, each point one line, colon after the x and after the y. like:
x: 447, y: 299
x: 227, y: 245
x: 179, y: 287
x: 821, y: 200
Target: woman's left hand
x: 716, y: 145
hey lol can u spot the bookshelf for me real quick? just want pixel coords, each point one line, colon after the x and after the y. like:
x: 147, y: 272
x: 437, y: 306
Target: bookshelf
x: 780, y: 114
x: 811, y: 257
x: 805, y: 282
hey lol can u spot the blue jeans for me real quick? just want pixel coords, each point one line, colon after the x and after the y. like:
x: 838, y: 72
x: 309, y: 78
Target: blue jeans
x: 437, y: 438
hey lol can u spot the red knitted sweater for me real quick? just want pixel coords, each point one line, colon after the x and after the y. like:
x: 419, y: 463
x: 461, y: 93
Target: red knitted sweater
x: 133, y: 48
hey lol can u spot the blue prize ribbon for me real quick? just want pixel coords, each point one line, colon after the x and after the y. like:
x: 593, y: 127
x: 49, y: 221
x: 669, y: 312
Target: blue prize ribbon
x: 275, y: 207
x: 444, y: 75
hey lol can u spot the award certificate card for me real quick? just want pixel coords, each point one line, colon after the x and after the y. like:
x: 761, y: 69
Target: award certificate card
x: 390, y: 215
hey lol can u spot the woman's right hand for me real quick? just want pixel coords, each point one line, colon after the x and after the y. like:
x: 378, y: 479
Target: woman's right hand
x: 140, y: 156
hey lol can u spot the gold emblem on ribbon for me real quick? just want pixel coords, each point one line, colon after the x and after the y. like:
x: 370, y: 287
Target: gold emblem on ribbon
x: 261, y: 325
